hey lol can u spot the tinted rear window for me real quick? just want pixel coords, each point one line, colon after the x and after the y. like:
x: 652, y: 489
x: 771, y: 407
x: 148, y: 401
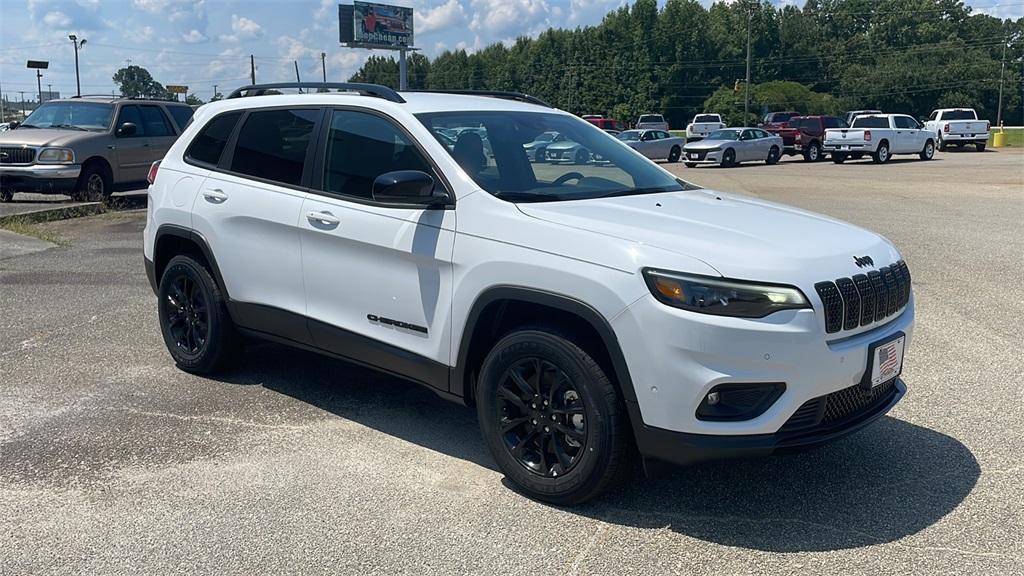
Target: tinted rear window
x: 705, y: 118
x: 871, y: 122
x: 209, y: 143
x: 959, y: 115
x: 181, y: 115
x: 272, y: 145
x: 782, y: 116
x: 651, y: 118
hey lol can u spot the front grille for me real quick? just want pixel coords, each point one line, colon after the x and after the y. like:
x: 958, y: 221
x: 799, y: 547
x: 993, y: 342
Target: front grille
x: 700, y: 154
x: 12, y: 155
x: 840, y: 406
x: 863, y: 299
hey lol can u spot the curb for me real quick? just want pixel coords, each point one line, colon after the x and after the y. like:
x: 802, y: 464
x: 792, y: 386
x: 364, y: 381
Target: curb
x: 56, y: 213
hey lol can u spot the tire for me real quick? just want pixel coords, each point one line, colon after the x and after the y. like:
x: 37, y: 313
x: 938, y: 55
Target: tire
x: 773, y: 156
x: 590, y: 449
x: 691, y: 164
x: 838, y: 157
x: 540, y: 155
x: 812, y: 153
x: 95, y: 184
x: 942, y: 144
x: 581, y: 156
x: 928, y: 152
x: 857, y: 155
x: 980, y: 146
x: 194, y: 320
x: 6, y: 195
x: 881, y: 155
x: 674, y: 154
x: 729, y: 158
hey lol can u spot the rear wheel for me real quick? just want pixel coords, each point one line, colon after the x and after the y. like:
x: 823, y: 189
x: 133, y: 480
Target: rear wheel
x: 881, y: 156
x: 674, y: 154
x: 928, y: 152
x: 552, y: 419
x: 942, y: 144
x: 582, y: 156
x: 813, y: 152
x: 980, y: 146
x: 838, y: 157
x: 773, y: 156
x: 729, y: 158
x: 691, y: 164
x: 540, y: 155
x: 194, y: 319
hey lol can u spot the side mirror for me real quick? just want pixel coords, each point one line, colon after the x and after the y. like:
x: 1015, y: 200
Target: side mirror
x: 127, y: 129
x: 13, y: 125
x: 407, y: 187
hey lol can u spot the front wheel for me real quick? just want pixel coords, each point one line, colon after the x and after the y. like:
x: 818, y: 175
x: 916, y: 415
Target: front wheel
x: 729, y: 158
x: 6, y: 195
x: 94, y: 184
x: 552, y: 419
x: 691, y: 164
x: 928, y: 152
x: 194, y: 319
x: 838, y: 157
x: 773, y: 156
x: 582, y: 156
x: 881, y: 156
x: 674, y: 154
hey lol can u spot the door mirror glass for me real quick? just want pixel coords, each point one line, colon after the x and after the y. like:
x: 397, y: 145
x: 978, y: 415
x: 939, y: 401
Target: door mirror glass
x: 13, y: 125
x: 408, y: 187
x: 127, y: 129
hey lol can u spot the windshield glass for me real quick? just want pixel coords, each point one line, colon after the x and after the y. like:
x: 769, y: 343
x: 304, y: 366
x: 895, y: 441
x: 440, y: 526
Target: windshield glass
x: 871, y: 122
x: 586, y: 163
x: 701, y: 118
x: 71, y: 115
x: 651, y: 118
x: 629, y: 135
x: 959, y: 115
x: 724, y: 135
x: 781, y: 116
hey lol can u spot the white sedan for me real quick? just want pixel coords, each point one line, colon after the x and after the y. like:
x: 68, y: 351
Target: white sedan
x: 655, y: 144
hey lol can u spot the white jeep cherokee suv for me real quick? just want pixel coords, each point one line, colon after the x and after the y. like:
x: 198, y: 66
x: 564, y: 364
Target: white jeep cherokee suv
x: 591, y: 313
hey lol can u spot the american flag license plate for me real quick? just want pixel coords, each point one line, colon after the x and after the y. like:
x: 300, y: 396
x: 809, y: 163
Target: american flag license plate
x: 888, y: 361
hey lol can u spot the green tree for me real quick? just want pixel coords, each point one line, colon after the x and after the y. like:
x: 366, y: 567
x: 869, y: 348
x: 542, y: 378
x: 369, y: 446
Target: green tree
x: 136, y: 82
x: 193, y: 100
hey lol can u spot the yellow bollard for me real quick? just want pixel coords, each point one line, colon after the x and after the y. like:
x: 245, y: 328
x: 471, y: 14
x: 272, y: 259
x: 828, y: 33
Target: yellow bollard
x: 999, y: 138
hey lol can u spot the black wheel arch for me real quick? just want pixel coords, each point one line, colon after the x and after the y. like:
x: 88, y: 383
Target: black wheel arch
x: 173, y: 240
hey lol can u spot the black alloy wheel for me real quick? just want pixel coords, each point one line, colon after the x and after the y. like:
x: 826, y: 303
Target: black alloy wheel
x: 729, y: 158
x: 188, y: 318
x: 773, y: 156
x: 541, y: 417
x: 674, y: 154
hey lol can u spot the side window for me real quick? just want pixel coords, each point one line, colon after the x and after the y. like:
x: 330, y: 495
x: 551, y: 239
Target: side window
x: 834, y: 123
x: 362, y: 146
x: 156, y: 122
x: 181, y: 115
x: 747, y: 135
x: 273, y: 144
x: 905, y: 122
x: 131, y: 114
x: 209, y: 143
x: 934, y: 116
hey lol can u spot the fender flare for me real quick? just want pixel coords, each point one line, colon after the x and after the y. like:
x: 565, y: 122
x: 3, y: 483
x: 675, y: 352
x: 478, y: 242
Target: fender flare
x: 197, y: 239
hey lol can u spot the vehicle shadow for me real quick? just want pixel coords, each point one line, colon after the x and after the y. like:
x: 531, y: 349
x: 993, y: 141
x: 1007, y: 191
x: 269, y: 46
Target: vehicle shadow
x: 888, y: 481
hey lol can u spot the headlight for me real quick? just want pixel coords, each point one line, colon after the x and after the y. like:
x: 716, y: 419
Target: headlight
x: 56, y: 156
x: 721, y: 296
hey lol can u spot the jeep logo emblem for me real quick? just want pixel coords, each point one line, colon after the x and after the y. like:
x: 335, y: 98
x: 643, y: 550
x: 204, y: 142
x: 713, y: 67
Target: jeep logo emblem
x: 862, y: 261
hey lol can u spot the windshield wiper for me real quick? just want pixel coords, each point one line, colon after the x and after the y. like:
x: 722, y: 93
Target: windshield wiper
x: 71, y: 127
x: 635, y: 191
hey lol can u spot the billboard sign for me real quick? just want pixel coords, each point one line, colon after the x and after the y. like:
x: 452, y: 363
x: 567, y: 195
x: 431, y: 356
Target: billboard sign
x: 381, y: 26
x: 50, y: 95
x: 176, y: 89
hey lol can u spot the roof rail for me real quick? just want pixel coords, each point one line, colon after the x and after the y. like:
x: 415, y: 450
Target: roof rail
x: 518, y: 96
x: 97, y: 96
x: 364, y: 89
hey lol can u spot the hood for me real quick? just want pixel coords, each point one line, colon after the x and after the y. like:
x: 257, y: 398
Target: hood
x: 44, y: 137
x: 741, y: 237
x: 563, y: 145
x: 707, y: 144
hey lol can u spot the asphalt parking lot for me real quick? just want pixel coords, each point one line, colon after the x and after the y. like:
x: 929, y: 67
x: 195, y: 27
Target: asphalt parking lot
x: 114, y: 462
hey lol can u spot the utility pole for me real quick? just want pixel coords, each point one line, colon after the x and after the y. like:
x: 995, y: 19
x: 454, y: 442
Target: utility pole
x: 252, y: 68
x: 214, y: 93
x: 78, y: 44
x: 746, y: 89
x: 1002, y: 68
x: 21, y: 99
x: 39, y: 85
x: 403, y: 71
x: 49, y: 90
x: 323, y: 64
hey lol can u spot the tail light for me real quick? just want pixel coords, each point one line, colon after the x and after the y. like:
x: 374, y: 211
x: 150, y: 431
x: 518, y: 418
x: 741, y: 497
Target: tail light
x: 151, y: 177
x: 988, y: 126
x: 945, y: 128
x: 867, y: 135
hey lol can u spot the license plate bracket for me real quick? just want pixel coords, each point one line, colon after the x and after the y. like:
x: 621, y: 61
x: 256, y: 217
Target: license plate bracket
x: 885, y: 360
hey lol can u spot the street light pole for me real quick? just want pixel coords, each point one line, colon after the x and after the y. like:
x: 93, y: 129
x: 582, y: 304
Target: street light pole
x: 78, y: 44
x: 323, y: 64
x: 1002, y: 68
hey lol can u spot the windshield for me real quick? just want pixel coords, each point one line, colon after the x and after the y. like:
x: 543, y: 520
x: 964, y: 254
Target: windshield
x: 71, y: 115
x: 703, y: 118
x: 724, y: 135
x: 546, y: 137
x: 871, y: 122
x: 651, y: 118
x: 959, y: 115
x: 629, y: 136
x: 588, y: 163
x: 781, y: 116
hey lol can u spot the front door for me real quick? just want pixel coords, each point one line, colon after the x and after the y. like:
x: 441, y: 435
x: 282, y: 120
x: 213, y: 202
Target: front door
x: 909, y: 138
x: 377, y: 276
x: 132, y: 154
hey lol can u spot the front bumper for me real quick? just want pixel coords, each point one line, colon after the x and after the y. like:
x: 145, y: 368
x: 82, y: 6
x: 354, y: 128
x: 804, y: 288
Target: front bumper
x: 702, y: 156
x: 40, y: 178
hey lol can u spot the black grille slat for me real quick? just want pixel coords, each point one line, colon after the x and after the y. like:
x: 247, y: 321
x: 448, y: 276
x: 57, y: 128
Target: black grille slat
x: 839, y: 406
x: 867, y: 299
x: 16, y: 155
x: 833, y: 302
x: 851, y: 301
x: 806, y: 416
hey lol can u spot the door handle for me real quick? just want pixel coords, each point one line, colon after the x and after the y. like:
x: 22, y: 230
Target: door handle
x: 215, y: 195
x: 325, y: 218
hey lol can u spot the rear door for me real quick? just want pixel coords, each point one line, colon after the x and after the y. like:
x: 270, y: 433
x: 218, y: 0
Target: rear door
x: 131, y: 152
x: 159, y: 130
x: 378, y: 276
x: 248, y: 211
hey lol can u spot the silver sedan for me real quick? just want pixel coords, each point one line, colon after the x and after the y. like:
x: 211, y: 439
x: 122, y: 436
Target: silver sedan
x: 730, y: 146
x: 655, y: 144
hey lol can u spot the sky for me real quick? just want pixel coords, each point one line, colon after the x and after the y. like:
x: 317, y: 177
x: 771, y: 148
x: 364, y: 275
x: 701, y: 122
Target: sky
x: 202, y: 43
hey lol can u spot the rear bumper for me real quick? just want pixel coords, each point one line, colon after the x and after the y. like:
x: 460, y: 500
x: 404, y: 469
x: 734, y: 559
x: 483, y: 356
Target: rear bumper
x: 964, y: 137
x: 684, y: 448
x: 40, y: 178
x: 837, y: 147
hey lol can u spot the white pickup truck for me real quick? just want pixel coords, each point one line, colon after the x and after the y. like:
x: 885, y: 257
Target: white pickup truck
x: 880, y: 136
x: 702, y: 125
x: 958, y: 126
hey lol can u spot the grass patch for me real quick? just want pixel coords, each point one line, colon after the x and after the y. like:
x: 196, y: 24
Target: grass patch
x: 27, y: 227
x: 1014, y: 137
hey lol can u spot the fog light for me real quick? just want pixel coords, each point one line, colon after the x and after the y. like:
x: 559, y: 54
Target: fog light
x: 739, y: 401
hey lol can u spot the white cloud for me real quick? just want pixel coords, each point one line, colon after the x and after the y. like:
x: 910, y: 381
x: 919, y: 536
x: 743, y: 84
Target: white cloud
x: 57, y: 19
x: 441, y: 17
x: 497, y: 16
x: 193, y: 37
x: 245, y: 28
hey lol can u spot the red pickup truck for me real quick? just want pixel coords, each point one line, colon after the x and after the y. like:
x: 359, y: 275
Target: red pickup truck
x: 804, y: 135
